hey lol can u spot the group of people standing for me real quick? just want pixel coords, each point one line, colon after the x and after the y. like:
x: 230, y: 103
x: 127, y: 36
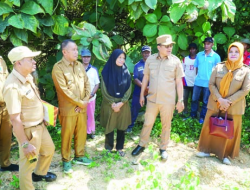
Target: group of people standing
x: 159, y: 79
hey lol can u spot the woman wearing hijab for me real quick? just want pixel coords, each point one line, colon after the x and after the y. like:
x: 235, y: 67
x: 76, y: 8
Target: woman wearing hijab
x: 229, y: 84
x: 116, y: 90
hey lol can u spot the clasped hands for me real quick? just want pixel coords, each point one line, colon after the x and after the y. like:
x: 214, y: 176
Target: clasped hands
x: 79, y: 109
x: 117, y: 106
x: 224, y: 104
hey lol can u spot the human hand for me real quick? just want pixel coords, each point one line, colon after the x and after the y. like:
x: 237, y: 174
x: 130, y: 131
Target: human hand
x: 115, y: 107
x: 30, y: 151
x: 142, y: 101
x: 179, y: 107
x: 146, y: 91
x: 78, y: 109
x: 224, y: 104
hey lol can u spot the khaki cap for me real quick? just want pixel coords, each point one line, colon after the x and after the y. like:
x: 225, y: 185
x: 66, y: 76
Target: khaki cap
x: 20, y: 52
x: 165, y: 40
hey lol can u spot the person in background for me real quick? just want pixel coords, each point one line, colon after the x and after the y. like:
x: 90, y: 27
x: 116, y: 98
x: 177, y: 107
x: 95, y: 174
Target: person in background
x: 138, y: 76
x: 5, y: 125
x: 26, y: 111
x: 116, y: 90
x: 205, y: 61
x: 73, y: 92
x: 246, y: 56
x: 190, y: 74
x: 94, y: 81
x: 229, y: 84
x: 163, y: 71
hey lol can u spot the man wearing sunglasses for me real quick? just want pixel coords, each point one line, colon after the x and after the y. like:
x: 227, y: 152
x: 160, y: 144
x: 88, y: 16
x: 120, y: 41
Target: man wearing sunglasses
x: 163, y: 71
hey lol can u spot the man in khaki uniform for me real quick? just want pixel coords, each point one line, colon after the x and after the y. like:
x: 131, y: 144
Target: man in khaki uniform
x: 26, y: 115
x: 5, y: 126
x: 73, y: 92
x: 164, y: 73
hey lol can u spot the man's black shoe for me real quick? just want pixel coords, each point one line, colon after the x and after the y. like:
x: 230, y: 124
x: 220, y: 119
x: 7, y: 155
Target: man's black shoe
x: 138, y: 150
x: 11, y: 168
x: 49, y: 177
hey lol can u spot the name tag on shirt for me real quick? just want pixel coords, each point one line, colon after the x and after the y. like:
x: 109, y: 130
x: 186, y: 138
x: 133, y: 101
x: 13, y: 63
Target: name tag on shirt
x: 140, y: 68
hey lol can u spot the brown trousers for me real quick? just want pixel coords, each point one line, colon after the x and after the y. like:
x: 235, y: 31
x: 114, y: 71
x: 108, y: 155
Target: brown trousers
x: 39, y: 137
x: 5, y: 137
x: 77, y: 126
x: 166, y: 113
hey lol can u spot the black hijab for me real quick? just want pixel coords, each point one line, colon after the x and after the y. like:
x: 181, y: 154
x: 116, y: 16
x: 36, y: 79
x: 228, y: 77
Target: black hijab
x: 117, y: 79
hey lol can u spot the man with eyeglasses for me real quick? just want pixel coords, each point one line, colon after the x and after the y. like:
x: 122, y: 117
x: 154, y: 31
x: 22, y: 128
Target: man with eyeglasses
x: 163, y: 71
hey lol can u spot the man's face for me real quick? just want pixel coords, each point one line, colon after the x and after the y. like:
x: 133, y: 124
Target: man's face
x: 192, y: 51
x: 208, y: 46
x: 165, y: 50
x: 145, y: 55
x: 245, y: 46
x: 28, y: 65
x: 70, y: 52
x: 86, y: 59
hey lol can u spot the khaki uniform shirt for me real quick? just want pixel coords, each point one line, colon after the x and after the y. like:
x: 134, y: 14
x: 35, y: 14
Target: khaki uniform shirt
x: 162, y: 73
x: 239, y: 88
x: 3, y: 75
x: 72, y: 86
x: 21, y: 96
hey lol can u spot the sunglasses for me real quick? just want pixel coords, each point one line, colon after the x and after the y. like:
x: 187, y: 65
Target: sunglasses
x: 167, y: 46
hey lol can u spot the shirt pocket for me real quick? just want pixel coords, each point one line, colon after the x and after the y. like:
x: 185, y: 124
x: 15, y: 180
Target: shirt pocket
x: 153, y: 71
x: 169, y: 72
x: 69, y: 80
x: 81, y: 77
x: 28, y: 98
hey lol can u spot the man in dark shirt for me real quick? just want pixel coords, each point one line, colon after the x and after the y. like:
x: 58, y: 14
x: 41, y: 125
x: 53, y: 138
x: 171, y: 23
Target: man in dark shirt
x: 138, y: 75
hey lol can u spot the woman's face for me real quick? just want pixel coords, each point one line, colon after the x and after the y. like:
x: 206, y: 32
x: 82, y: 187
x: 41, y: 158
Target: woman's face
x: 233, y: 54
x: 120, y: 60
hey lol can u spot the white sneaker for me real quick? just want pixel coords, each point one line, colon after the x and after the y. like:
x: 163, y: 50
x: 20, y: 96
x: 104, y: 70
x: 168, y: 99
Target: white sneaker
x: 226, y: 161
x: 202, y: 154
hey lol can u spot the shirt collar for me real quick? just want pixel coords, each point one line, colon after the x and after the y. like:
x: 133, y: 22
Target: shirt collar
x: 159, y: 57
x: 67, y: 62
x: 89, y: 66
x: 210, y: 54
x: 21, y: 77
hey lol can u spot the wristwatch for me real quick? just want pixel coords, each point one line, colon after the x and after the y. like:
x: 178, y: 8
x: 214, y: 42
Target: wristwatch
x: 181, y: 100
x: 25, y: 144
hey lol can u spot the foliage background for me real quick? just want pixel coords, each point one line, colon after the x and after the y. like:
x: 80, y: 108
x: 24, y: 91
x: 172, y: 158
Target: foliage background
x: 104, y: 25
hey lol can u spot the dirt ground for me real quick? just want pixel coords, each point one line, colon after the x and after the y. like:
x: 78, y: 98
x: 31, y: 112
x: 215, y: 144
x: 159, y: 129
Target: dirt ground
x: 113, y: 172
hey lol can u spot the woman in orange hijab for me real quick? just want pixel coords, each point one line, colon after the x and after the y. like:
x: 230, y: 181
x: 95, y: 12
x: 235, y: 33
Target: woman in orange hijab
x: 229, y: 84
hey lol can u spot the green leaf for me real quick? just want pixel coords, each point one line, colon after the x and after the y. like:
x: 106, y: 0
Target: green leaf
x: 231, y: 10
x: 90, y: 27
x: 136, y: 14
x: 95, y: 42
x: 121, y: 1
x: 135, y: 5
x: 84, y: 42
x: 21, y: 34
x: 5, y: 35
x: 198, y: 34
x: 230, y: 31
x: 220, y: 38
x: 80, y: 31
x: 165, y: 18
x: 47, y: 21
x: 129, y: 64
x: 50, y: 94
x: 30, y: 22
x: 105, y: 39
x: 177, y: 1
x: 64, y: 2
x: 47, y: 5
x: 140, y: 23
x: 4, y: 8
x: 176, y: 11
x: 151, y: 3
x: 158, y: 12
x: 214, y: 4
x: 130, y: 2
x: 206, y: 26
x: 16, y: 21
x: 152, y: 18
x: 118, y: 39
x: 3, y: 24
x: 163, y: 29
x: 48, y: 31
x: 31, y: 8
x: 15, y: 2
x: 150, y: 30
x: 144, y: 7
x: 96, y: 51
x: 199, y: 3
x: 61, y: 25
x: 15, y: 41
x: 183, y: 41
x: 107, y: 22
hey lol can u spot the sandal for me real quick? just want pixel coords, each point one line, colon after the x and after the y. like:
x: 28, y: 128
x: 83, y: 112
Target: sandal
x: 121, y: 153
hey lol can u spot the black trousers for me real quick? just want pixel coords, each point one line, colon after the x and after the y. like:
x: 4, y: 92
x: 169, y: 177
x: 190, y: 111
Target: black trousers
x: 109, y: 140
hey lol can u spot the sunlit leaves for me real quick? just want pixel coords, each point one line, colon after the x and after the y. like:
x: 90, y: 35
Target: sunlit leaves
x: 31, y: 8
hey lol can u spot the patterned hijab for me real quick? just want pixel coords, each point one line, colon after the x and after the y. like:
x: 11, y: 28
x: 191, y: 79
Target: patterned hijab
x: 231, y: 66
x: 117, y: 79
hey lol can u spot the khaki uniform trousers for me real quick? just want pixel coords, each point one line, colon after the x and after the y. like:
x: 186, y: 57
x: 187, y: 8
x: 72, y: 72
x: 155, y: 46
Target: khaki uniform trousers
x: 5, y: 137
x: 39, y: 137
x: 166, y: 113
x: 77, y: 126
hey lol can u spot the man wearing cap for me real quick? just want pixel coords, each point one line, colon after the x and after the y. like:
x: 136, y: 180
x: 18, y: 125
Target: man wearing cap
x: 94, y: 81
x: 163, y: 72
x: 138, y: 76
x: 190, y: 73
x: 26, y: 112
x: 246, y: 56
x: 205, y: 61
x: 5, y: 125
x: 73, y: 92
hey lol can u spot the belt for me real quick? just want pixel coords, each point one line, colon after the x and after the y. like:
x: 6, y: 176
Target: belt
x: 2, y: 104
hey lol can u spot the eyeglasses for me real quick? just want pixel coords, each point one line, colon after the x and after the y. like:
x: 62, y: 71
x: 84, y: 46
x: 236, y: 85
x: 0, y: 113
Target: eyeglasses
x: 167, y: 46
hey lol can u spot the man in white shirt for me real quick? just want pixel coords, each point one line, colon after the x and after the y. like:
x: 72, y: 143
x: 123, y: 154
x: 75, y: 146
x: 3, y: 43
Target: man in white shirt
x: 93, y: 76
